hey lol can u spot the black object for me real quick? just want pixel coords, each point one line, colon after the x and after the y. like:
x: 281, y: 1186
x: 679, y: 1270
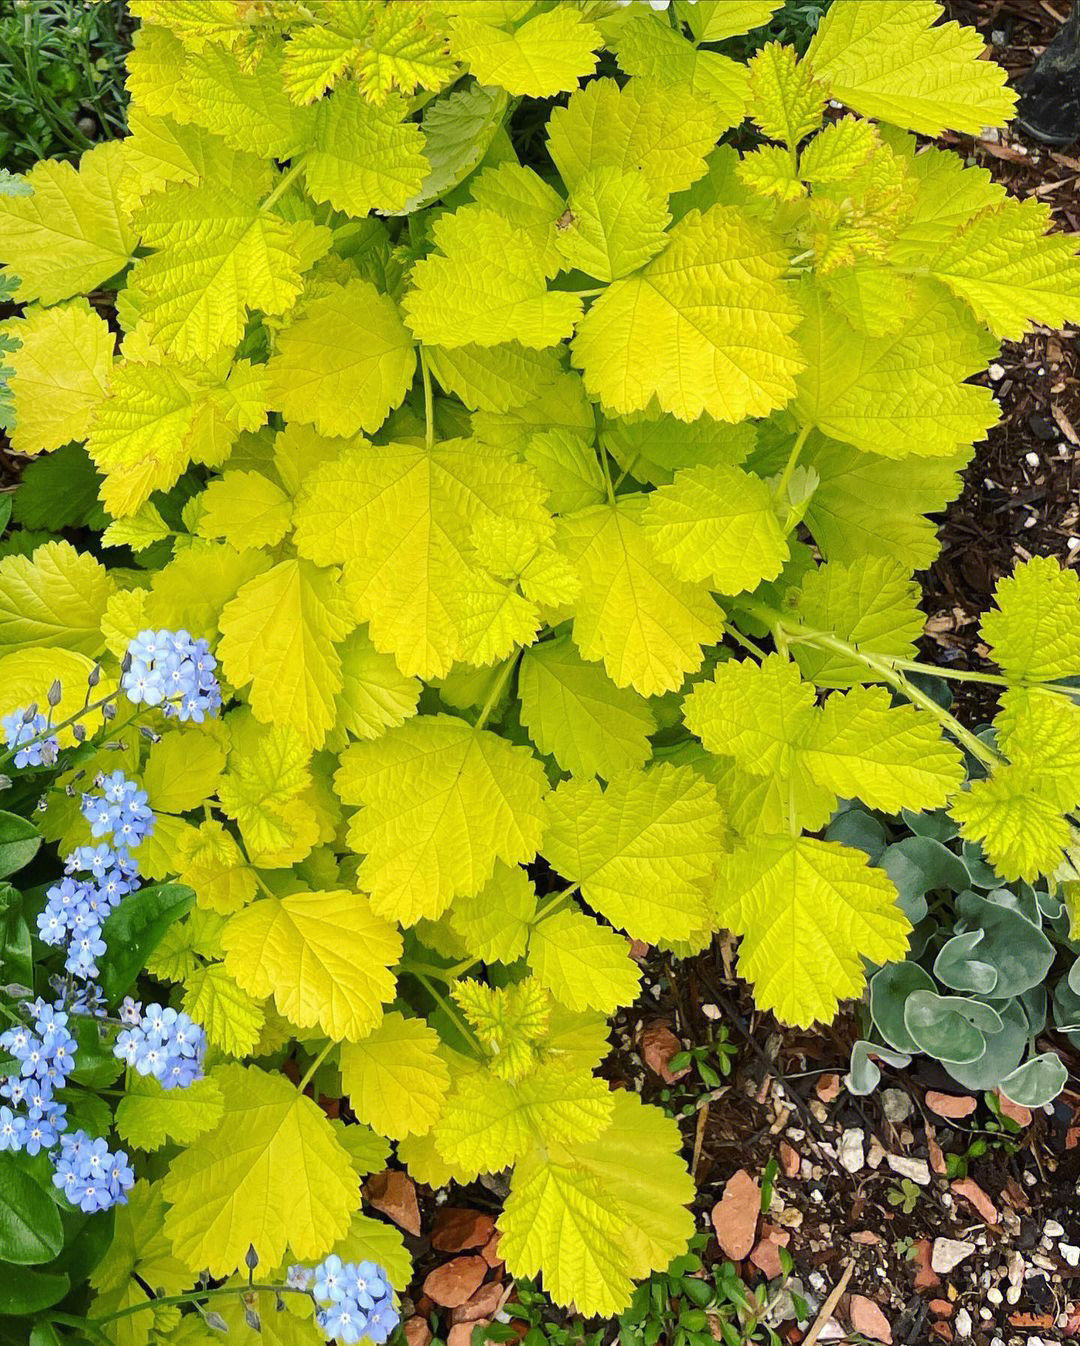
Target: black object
x: 1049, y: 107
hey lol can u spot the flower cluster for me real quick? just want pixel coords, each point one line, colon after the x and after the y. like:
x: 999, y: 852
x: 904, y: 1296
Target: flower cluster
x: 45, y: 1052
x: 354, y: 1298
x: 91, y: 1176
x: 23, y: 730
x: 171, y: 670
x: 164, y: 1043
x: 76, y: 907
x: 119, y: 811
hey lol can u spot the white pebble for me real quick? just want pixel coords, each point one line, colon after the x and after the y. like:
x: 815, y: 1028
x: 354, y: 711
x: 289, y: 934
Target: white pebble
x: 1070, y: 1252
x: 713, y: 1011
x: 1073, y: 543
x: 947, y: 1254
x: 994, y: 1295
x: 852, y: 1149
x: 1032, y: 459
x: 918, y: 1170
x: 997, y: 372
x: 896, y: 1105
x: 1053, y: 1230
x: 963, y: 1323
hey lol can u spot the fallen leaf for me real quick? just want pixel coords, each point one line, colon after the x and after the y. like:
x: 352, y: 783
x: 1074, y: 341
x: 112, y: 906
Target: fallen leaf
x: 658, y: 1045
x: 950, y: 1106
x: 1016, y: 1111
x: 970, y: 1190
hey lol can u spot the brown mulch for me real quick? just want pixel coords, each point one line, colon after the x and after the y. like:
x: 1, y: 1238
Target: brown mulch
x: 1020, y: 490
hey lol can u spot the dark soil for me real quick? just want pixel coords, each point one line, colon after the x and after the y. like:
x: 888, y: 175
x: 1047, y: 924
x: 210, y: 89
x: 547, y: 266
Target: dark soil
x: 1020, y: 490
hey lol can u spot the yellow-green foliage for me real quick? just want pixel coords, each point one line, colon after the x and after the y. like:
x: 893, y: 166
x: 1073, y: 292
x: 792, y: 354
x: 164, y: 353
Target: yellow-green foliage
x: 496, y: 479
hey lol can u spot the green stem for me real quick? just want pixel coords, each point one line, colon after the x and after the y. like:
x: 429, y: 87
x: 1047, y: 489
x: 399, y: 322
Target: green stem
x: 452, y: 1014
x: 974, y: 675
x: 64, y: 724
x: 626, y: 471
x: 496, y: 692
x: 190, y: 1297
x: 747, y: 644
x: 429, y: 404
x: 607, y: 475
x: 556, y: 901
x: 283, y: 186
x: 314, y: 1066
x: 789, y: 466
x: 87, y: 1324
x: 260, y: 882
x: 888, y: 671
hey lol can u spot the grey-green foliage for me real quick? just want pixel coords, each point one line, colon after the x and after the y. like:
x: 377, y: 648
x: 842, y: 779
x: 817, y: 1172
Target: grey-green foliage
x: 989, y: 968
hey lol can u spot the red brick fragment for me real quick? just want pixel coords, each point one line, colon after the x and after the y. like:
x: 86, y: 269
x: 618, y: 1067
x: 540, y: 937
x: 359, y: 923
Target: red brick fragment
x: 457, y: 1228
x: 455, y: 1282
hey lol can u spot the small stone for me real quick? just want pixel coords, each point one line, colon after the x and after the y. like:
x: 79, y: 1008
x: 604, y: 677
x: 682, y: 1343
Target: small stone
x: 487, y: 1301
x: 735, y: 1215
x: 1053, y: 1230
x: 996, y: 372
x: 950, y: 1106
x: 827, y: 1087
x: 658, y: 1045
x: 765, y: 1255
x: 490, y: 1251
x: 789, y: 1160
x: 457, y: 1229
x: 896, y: 1105
x: 711, y: 1012
x: 963, y: 1323
x: 461, y: 1334
x: 417, y: 1332
x: 1032, y: 459
x: 947, y: 1254
x: 832, y: 1331
x: 941, y: 1308
x: 868, y: 1319
x: 970, y: 1190
x: 994, y: 1296
x: 1071, y: 1253
x: 876, y: 1153
x: 394, y: 1194
x: 918, y: 1170
x: 455, y: 1282
x: 925, y: 1279
x: 852, y: 1149
x: 865, y: 1236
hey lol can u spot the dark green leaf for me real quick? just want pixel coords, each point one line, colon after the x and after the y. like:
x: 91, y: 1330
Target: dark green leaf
x: 30, y: 1228
x: 19, y: 842
x: 135, y: 929
x: 24, y: 1290
x: 59, y: 490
